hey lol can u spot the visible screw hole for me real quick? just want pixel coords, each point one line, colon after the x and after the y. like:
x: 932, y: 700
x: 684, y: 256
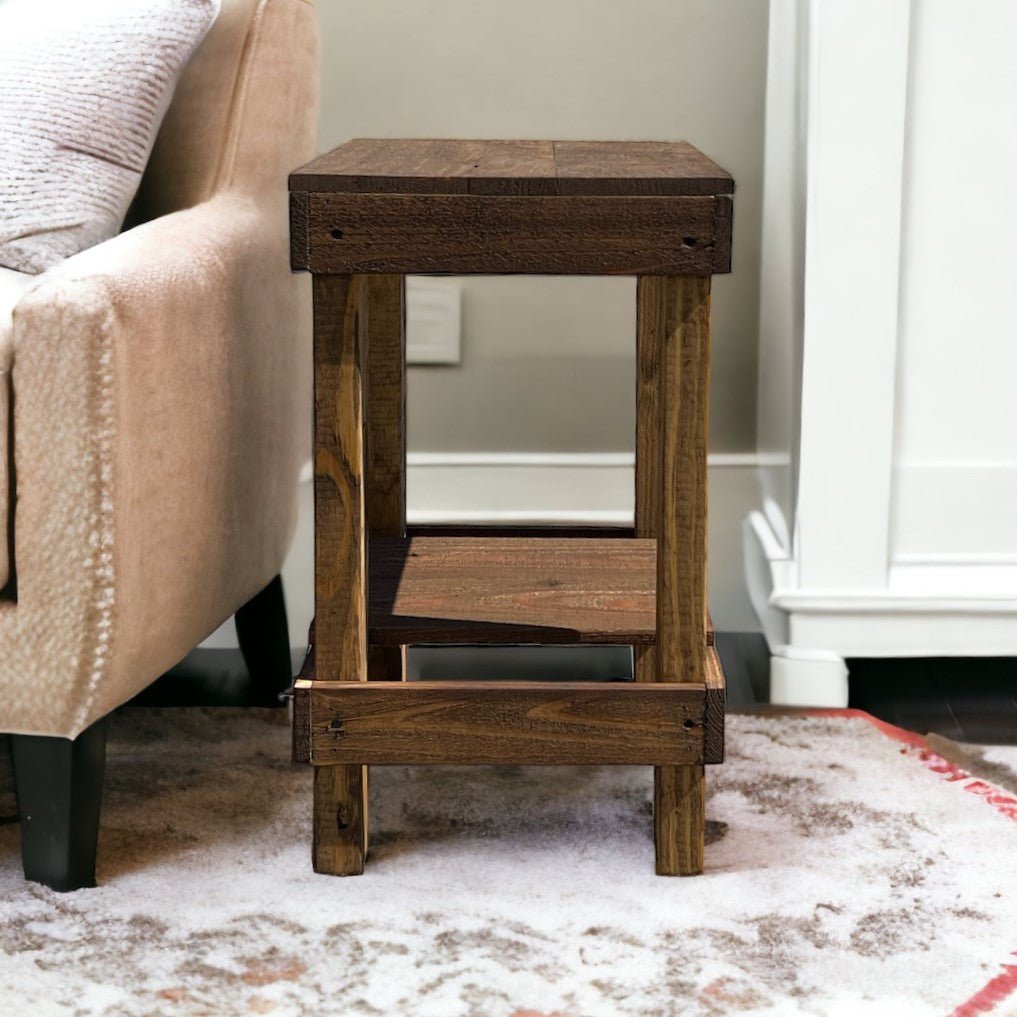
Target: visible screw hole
x: 688, y: 241
x: 337, y: 234
x: 688, y: 724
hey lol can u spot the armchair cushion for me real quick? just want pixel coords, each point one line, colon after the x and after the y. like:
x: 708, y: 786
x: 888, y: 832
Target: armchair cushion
x: 83, y: 90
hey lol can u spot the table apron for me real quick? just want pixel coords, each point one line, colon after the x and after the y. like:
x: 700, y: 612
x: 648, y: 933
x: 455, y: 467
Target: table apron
x: 338, y: 233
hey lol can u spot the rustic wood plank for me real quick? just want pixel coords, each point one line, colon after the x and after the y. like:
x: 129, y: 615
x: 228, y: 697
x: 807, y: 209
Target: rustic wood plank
x: 679, y: 815
x: 432, y: 166
x: 298, y: 230
x: 555, y: 530
x: 339, y: 837
x: 723, y: 233
x: 511, y: 590
x: 340, y: 565
x: 386, y: 436
x: 647, y: 470
x: 547, y: 723
x: 547, y: 590
x: 301, y: 729
x: 453, y: 166
x: 340, y: 546
x: 465, y: 233
x: 673, y: 373
x: 649, y: 343
x: 386, y: 406
x: 716, y: 705
x: 683, y: 310
x: 637, y: 167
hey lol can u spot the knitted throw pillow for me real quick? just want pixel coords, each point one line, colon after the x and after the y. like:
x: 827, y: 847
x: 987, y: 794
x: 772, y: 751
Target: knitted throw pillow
x: 84, y: 85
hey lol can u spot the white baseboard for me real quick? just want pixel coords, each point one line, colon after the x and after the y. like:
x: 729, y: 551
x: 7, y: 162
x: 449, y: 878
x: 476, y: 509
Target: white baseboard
x: 536, y: 488
x: 520, y: 488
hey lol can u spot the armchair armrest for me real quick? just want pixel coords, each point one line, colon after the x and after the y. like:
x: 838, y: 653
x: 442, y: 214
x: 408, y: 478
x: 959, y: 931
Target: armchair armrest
x: 162, y: 397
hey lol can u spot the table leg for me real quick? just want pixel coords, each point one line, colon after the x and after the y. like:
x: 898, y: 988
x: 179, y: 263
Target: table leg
x: 672, y: 402
x: 386, y: 435
x: 340, y: 557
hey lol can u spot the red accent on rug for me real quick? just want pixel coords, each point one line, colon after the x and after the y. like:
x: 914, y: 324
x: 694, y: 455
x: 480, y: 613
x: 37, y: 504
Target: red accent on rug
x: 1004, y: 985
x: 991, y: 995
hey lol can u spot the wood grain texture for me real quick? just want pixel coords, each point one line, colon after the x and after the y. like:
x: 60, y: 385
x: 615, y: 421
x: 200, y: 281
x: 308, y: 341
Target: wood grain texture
x: 467, y: 233
x: 647, y: 512
x: 637, y: 168
x: 301, y: 728
x: 723, y: 234
x: 452, y: 166
x: 339, y: 838
x: 671, y: 419
x: 679, y: 811
x: 386, y: 436
x: 298, y: 230
x: 339, y: 532
x: 340, y: 558
x: 512, y: 590
x: 716, y: 706
x: 681, y: 309
x: 647, y: 469
x: 547, y: 723
x: 386, y: 405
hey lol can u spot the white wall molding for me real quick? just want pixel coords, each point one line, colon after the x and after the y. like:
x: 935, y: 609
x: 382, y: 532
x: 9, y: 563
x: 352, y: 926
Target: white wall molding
x: 591, y: 460
x: 856, y: 144
x: 537, y: 488
x: 926, y: 609
x: 578, y: 460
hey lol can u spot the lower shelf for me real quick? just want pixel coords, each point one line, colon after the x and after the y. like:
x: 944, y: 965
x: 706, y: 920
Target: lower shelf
x: 513, y: 590
x: 543, y: 723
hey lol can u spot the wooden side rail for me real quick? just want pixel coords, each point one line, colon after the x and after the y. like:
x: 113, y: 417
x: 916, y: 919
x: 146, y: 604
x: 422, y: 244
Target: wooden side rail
x: 502, y: 722
x: 716, y: 704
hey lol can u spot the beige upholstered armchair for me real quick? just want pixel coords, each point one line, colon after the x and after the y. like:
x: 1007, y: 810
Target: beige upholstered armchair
x: 153, y: 424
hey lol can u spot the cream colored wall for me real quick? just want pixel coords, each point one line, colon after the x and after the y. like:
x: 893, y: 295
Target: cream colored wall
x: 547, y: 363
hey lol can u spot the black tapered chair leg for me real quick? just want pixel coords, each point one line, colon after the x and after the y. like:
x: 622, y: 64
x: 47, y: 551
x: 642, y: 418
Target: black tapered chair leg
x: 59, y: 787
x: 264, y: 639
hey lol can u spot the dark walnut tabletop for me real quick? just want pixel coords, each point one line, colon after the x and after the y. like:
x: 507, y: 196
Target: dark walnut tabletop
x: 434, y: 166
x: 507, y: 207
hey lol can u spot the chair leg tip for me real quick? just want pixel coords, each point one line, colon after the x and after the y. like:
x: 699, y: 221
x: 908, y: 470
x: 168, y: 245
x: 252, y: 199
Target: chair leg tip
x: 62, y: 882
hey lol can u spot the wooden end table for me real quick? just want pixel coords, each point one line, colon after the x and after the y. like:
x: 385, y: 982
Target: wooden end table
x: 364, y: 216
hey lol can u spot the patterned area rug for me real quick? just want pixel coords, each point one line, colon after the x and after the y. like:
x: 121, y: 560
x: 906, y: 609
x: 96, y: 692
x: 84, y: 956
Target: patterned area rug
x: 848, y: 872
